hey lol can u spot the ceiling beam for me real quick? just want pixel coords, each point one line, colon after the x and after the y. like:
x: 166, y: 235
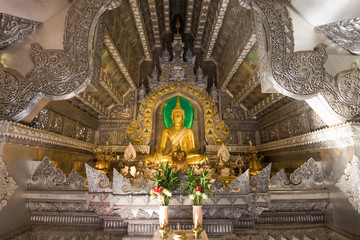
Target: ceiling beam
x: 139, y: 22
x: 167, y: 15
x: 239, y: 60
x: 108, y: 86
x: 265, y: 103
x: 189, y: 16
x: 92, y: 103
x: 114, y: 53
x: 251, y: 84
x: 219, y: 19
x: 202, y: 21
x: 155, y: 22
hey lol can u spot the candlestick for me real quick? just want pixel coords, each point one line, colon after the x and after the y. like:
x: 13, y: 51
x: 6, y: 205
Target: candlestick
x: 178, y: 228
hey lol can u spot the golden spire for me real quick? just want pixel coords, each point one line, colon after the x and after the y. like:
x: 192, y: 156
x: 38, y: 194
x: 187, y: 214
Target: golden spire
x: 178, y: 108
x: 177, y: 35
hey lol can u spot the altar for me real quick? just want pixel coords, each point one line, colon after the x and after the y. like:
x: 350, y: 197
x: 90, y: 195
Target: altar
x: 123, y: 208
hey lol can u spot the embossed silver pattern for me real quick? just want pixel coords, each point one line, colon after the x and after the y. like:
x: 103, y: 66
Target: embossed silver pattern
x: 97, y: 181
x: 48, y: 176
x: 7, y: 183
x: 14, y: 28
x: 260, y: 182
x: 308, y: 177
x: 349, y: 183
x: 345, y: 33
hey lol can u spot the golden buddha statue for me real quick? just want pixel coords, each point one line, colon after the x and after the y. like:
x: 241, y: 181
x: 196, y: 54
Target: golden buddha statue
x: 180, y: 137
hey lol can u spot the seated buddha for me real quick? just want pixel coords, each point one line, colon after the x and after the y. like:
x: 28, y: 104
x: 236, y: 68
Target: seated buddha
x: 180, y: 137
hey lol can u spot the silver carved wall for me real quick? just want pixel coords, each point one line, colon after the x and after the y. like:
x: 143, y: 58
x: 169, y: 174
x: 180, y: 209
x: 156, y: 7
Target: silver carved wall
x: 49, y: 120
x: 292, y: 120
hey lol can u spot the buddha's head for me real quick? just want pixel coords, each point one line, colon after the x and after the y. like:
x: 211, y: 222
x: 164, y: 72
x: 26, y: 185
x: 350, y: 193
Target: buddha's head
x: 178, y: 114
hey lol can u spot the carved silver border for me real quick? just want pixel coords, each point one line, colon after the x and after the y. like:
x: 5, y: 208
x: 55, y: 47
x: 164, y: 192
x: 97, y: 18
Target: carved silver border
x: 336, y: 136
x: 19, y: 131
x: 140, y: 27
x: 219, y: 19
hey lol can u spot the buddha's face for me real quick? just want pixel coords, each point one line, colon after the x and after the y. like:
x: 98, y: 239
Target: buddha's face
x: 177, y: 117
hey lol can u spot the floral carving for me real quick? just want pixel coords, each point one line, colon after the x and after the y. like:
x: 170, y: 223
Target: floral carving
x: 121, y: 185
x: 8, y: 185
x: 307, y: 177
x: 9, y: 84
x: 350, y: 181
x: 345, y: 33
x: 241, y: 184
x: 260, y: 182
x: 97, y: 181
x: 48, y: 176
x: 308, y: 174
x: 344, y: 94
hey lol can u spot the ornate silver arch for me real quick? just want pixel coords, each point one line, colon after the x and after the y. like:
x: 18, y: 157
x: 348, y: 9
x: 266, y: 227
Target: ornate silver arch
x: 57, y: 74
x: 301, y: 75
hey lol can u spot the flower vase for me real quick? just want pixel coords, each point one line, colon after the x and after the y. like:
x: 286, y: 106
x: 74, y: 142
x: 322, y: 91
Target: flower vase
x: 164, y: 216
x: 197, y: 216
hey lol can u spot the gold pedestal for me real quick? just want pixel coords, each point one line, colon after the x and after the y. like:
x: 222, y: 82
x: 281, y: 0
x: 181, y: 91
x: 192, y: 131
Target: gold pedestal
x: 197, y: 232
x: 164, y: 232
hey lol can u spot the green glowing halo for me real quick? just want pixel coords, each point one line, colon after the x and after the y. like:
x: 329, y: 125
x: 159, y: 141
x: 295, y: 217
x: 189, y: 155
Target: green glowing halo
x: 185, y: 104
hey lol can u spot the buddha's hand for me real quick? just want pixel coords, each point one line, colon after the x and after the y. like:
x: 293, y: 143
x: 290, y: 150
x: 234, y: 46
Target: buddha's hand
x: 204, y: 161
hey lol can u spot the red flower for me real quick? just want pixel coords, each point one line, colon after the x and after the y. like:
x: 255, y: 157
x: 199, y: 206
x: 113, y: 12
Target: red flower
x: 198, y: 188
x: 157, y: 190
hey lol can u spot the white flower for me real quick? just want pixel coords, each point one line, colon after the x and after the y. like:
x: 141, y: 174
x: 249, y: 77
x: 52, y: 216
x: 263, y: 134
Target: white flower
x: 192, y: 196
x: 153, y: 197
x: 198, y: 193
x: 161, y: 198
x: 167, y: 193
x: 204, y: 196
x: 151, y: 192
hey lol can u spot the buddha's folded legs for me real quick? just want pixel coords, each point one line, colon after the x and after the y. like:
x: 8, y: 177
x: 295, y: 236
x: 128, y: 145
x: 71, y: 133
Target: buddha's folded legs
x: 192, y: 159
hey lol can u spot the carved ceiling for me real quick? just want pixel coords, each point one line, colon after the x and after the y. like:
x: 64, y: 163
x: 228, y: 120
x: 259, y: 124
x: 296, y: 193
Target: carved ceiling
x: 220, y: 33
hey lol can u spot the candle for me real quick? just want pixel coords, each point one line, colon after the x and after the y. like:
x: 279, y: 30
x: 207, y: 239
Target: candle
x: 178, y: 228
x: 196, y: 220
